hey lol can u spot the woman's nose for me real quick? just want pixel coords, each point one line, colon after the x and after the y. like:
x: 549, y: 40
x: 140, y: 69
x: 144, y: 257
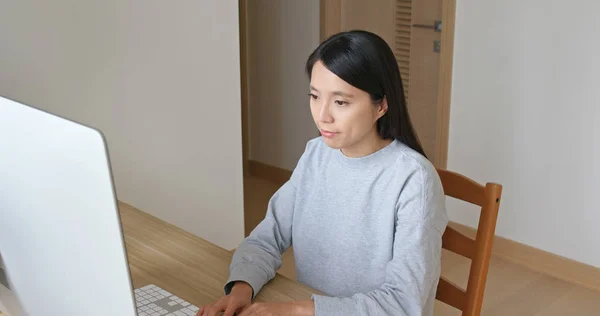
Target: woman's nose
x: 325, y: 114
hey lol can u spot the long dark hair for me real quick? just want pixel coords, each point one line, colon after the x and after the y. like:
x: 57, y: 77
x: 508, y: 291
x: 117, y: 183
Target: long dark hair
x: 365, y: 61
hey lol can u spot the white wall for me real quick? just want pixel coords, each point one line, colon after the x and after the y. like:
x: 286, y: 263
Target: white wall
x: 282, y: 34
x: 160, y: 79
x: 526, y: 113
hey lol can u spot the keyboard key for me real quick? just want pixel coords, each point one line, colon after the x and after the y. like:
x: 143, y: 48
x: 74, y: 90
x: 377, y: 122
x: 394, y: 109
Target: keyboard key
x: 188, y: 312
x: 145, y: 302
x: 160, y: 297
x: 152, y: 305
x: 145, y: 308
x: 173, y: 298
x: 179, y: 313
x: 155, y: 314
x: 194, y: 308
x: 179, y: 301
x: 147, y: 287
x: 157, y: 308
x: 163, y: 312
x: 165, y: 293
x: 142, y: 314
x: 172, y: 303
x: 185, y: 303
x: 153, y: 299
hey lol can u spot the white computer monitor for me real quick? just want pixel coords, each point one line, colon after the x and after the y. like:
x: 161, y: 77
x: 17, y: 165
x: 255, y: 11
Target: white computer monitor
x: 61, y: 243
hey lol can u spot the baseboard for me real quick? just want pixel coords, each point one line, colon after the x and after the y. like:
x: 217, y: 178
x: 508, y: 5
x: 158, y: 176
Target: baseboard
x: 535, y: 259
x: 541, y: 261
x: 271, y: 173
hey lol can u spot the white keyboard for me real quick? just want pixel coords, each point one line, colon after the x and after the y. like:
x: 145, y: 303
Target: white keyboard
x: 151, y: 300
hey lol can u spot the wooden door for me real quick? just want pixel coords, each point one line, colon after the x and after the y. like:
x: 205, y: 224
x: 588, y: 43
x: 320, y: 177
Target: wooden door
x: 409, y: 27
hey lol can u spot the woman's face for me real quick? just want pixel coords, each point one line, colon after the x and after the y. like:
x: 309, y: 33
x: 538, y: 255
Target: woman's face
x: 345, y: 115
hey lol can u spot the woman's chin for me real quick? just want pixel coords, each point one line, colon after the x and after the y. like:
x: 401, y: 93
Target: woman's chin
x: 332, y: 142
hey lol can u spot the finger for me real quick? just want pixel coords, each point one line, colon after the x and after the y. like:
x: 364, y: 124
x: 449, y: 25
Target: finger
x: 247, y: 311
x: 218, y: 307
x: 241, y: 305
x: 232, y: 307
x: 204, y: 310
x: 243, y: 309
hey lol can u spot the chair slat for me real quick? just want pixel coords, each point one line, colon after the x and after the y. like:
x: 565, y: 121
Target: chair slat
x: 461, y: 187
x: 450, y: 294
x: 458, y: 243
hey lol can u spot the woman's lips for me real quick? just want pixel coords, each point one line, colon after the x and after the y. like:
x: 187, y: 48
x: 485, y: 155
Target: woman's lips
x: 328, y: 134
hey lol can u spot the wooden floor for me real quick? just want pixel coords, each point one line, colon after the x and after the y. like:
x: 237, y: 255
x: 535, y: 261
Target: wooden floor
x: 511, y: 289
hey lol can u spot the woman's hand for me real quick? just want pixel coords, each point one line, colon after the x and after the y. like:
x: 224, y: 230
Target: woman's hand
x: 238, y: 300
x: 280, y: 309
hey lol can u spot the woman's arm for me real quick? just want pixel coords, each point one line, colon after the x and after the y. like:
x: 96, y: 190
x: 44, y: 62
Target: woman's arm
x: 410, y: 278
x: 258, y: 257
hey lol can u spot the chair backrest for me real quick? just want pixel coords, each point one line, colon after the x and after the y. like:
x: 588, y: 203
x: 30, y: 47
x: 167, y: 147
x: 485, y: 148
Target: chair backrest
x: 479, y: 250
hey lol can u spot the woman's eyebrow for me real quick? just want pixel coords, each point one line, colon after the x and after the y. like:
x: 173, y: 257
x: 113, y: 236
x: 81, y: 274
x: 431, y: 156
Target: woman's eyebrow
x: 339, y: 93
x: 343, y: 94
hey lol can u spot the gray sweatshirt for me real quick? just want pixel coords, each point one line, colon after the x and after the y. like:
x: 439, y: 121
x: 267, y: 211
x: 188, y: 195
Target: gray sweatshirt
x: 367, y: 232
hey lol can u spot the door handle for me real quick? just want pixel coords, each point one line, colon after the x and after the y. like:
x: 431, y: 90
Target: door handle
x: 436, y: 26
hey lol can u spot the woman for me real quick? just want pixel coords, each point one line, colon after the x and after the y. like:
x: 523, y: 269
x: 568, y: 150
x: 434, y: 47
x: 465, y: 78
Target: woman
x: 364, y: 208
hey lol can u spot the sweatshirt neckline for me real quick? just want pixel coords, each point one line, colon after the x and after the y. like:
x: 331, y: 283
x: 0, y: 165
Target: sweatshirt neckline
x: 373, y: 159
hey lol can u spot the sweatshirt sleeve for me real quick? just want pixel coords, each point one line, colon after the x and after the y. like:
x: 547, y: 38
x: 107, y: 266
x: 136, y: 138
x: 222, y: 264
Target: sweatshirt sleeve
x: 412, y: 275
x: 258, y: 257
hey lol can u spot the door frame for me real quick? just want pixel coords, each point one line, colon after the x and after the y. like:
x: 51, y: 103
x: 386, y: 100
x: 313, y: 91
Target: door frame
x: 330, y: 21
x: 445, y: 82
x: 243, y: 37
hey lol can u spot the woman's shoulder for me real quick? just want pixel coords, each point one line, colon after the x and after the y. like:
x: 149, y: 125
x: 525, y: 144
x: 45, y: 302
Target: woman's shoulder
x: 314, y: 150
x: 410, y: 160
x: 420, y: 179
x: 311, y: 157
x: 315, y: 144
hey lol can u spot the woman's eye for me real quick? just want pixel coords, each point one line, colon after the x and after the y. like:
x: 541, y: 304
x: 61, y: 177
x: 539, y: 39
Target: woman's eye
x: 314, y: 97
x: 342, y: 103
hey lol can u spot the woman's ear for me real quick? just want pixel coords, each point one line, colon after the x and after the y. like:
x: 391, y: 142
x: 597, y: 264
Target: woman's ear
x: 382, y: 108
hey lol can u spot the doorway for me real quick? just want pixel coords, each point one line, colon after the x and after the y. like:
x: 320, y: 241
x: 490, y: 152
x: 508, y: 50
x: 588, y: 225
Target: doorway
x: 421, y: 34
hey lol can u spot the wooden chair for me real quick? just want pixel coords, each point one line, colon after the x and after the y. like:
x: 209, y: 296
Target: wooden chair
x: 470, y: 300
